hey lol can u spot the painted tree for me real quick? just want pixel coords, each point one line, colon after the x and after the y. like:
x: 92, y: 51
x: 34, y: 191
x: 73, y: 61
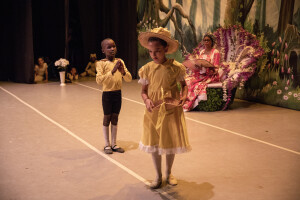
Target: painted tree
x: 151, y: 18
x: 260, y: 13
x: 237, y: 11
x: 216, y: 17
x: 178, y: 18
x: 285, y: 15
x: 204, y: 16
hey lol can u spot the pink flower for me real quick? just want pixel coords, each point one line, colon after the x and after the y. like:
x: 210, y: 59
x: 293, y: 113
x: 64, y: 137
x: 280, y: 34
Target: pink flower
x: 289, y: 70
x: 298, y: 98
x: 286, y: 57
x: 279, y: 91
x: 286, y: 88
x: 269, y: 65
x: 280, y: 40
x: 285, y: 97
x: 273, y: 52
x: 282, y: 70
x: 278, y: 61
x: 277, y: 53
x: 292, y: 77
x: 273, y: 44
x: 274, y: 82
x: 275, y: 61
x: 290, y: 93
x: 286, y: 46
x: 288, y: 82
x: 295, y: 95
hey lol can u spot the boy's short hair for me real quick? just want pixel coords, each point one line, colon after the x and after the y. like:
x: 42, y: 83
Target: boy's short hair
x: 103, y: 41
x: 161, y: 41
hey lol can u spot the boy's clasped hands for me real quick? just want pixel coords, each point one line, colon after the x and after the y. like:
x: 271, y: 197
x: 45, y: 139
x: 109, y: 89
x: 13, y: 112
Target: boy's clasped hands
x: 119, y: 66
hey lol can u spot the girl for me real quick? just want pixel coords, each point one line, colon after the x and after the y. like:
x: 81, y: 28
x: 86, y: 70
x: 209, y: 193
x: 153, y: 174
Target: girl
x: 41, y: 70
x: 164, y: 123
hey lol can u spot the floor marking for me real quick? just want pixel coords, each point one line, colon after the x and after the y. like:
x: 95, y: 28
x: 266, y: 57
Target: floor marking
x: 102, y: 91
x: 213, y: 126
x: 129, y: 171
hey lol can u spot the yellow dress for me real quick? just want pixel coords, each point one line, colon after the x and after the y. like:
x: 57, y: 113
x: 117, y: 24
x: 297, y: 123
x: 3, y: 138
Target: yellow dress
x: 164, y: 129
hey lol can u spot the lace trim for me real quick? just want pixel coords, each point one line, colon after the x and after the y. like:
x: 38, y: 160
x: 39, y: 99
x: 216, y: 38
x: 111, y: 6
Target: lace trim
x: 152, y: 149
x: 143, y: 81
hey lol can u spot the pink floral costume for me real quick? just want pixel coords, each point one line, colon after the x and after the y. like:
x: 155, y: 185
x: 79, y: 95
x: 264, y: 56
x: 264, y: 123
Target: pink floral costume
x: 197, y: 80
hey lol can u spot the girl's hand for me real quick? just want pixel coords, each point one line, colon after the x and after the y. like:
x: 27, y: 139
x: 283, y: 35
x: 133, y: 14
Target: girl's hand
x: 182, y: 100
x: 149, y: 105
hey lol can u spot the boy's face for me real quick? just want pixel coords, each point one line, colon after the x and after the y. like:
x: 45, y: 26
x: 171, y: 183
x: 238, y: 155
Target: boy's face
x: 157, y: 52
x: 73, y: 70
x: 109, y: 49
x: 93, y: 59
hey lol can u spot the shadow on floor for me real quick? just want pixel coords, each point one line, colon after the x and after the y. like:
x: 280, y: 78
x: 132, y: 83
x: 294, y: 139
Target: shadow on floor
x: 132, y: 192
x: 190, y: 190
x: 238, y: 104
x: 128, y: 145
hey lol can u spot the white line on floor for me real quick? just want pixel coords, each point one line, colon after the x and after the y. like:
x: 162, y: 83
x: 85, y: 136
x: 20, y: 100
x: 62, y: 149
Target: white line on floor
x: 213, y: 126
x: 129, y: 171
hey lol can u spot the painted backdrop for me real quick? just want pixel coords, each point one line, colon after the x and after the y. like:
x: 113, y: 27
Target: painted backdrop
x: 276, y: 23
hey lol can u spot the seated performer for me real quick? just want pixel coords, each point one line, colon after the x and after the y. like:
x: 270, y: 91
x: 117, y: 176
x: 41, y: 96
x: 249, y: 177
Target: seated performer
x: 73, y: 75
x: 41, y: 71
x: 90, y: 69
x: 202, y: 74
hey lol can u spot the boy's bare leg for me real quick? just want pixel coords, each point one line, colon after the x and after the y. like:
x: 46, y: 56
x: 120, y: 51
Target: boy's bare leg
x: 106, y: 122
x: 114, y: 130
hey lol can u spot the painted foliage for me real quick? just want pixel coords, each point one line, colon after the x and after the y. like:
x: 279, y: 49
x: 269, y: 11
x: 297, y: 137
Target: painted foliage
x: 276, y: 80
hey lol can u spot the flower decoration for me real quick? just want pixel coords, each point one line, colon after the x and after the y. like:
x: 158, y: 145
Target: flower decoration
x: 285, y: 97
x: 279, y: 91
x: 61, y: 64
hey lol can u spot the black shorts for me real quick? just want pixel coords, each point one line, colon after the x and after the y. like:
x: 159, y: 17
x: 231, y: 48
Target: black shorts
x: 111, y: 102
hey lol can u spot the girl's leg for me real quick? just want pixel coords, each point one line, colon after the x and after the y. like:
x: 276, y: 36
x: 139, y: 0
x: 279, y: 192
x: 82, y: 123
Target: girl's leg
x: 156, y: 158
x: 169, y: 163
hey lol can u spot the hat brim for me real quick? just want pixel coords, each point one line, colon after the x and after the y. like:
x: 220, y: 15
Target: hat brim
x: 172, y: 44
x: 197, y: 62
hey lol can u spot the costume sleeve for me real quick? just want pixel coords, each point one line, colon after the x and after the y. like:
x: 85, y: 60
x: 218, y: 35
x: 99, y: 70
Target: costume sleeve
x: 143, y: 76
x: 36, y: 68
x: 182, y: 72
x: 216, y: 58
x: 127, y: 77
x: 101, y: 76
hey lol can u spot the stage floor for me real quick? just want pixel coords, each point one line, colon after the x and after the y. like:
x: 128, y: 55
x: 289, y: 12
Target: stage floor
x: 51, y: 147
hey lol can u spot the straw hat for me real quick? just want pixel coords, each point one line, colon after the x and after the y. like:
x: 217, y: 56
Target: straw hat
x: 161, y: 33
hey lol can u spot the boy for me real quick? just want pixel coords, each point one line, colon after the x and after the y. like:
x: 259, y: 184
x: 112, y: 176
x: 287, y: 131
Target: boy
x: 110, y: 72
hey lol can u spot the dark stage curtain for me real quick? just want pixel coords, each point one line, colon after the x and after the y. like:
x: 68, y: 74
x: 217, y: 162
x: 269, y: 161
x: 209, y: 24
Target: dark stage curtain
x: 116, y: 19
x: 16, y: 51
x: 33, y: 28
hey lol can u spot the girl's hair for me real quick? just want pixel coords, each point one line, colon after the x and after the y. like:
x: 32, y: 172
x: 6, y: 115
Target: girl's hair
x: 161, y: 41
x: 211, y: 37
x: 41, y: 58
